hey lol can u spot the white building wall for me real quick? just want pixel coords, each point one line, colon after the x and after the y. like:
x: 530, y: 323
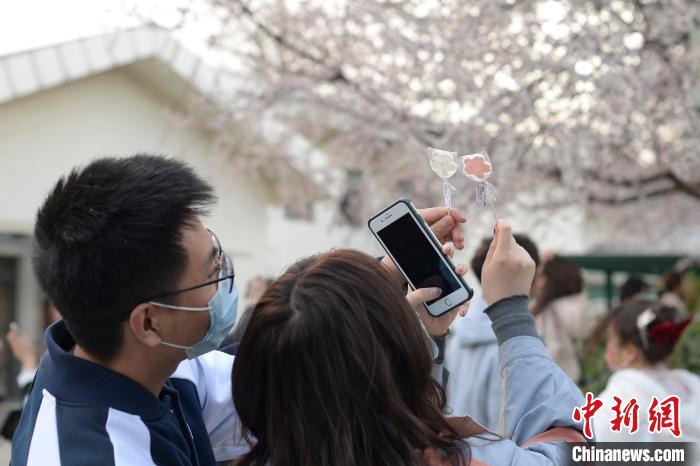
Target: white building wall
x: 289, y: 240
x: 44, y: 135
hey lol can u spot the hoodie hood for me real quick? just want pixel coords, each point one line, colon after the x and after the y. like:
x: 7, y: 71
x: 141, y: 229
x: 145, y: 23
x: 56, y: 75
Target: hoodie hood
x: 475, y: 328
x: 572, y: 303
x: 567, y: 317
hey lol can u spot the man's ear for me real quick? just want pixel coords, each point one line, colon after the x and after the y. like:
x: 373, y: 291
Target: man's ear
x: 145, y: 322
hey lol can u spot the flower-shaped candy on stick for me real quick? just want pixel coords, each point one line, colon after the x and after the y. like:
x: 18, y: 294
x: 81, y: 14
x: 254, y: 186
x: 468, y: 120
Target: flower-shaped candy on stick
x: 444, y: 164
x: 477, y: 167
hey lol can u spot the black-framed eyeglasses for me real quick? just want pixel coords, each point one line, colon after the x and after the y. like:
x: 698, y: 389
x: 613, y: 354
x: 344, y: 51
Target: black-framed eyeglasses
x: 226, y: 274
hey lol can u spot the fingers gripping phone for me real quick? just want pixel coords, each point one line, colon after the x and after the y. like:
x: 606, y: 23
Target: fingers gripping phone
x: 415, y: 250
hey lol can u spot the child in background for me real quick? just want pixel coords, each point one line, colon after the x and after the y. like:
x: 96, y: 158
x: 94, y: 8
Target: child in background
x: 641, y: 336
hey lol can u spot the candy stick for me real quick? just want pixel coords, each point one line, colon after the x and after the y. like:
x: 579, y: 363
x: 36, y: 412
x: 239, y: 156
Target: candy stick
x: 447, y: 190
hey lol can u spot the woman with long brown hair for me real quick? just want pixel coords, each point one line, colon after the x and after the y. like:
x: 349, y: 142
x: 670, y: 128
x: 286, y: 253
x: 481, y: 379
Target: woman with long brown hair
x: 564, y: 315
x: 335, y: 370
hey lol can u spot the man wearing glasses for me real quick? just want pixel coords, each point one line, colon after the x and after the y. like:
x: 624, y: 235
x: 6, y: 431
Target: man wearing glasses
x: 146, y: 294
x: 141, y: 285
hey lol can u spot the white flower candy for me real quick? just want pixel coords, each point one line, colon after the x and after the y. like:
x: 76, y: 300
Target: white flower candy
x: 443, y: 162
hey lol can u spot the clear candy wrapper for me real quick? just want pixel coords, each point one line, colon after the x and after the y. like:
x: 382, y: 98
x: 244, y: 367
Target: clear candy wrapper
x: 444, y: 164
x: 485, y: 194
x: 477, y: 167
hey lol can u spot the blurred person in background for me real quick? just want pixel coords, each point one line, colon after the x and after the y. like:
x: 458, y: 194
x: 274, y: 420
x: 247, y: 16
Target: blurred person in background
x: 675, y: 290
x: 471, y: 355
x: 641, y: 335
x: 634, y: 287
x: 563, y: 314
x: 25, y: 350
x: 28, y: 353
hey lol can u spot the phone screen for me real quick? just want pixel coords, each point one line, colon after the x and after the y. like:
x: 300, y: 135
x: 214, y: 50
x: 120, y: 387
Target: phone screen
x: 417, y: 257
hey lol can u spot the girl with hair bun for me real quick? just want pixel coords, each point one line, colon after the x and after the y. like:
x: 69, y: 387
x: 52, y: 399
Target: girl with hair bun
x: 641, y: 336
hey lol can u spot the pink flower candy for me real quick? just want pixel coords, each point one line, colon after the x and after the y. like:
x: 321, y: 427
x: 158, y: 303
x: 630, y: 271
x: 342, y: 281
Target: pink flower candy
x: 477, y: 166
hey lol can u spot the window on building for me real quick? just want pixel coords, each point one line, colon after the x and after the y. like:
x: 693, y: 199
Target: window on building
x: 351, y: 201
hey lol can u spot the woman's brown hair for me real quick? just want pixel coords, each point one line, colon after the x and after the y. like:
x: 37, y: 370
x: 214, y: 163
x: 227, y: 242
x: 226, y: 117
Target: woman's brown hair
x: 563, y: 279
x: 335, y: 370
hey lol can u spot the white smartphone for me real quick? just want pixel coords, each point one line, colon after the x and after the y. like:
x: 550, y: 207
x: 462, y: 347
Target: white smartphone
x: 417, y: 253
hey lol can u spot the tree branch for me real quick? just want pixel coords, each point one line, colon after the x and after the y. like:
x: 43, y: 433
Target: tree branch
x: 631, y: 198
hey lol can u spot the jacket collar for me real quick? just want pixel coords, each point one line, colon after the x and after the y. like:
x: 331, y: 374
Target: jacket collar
x: 77, y: 380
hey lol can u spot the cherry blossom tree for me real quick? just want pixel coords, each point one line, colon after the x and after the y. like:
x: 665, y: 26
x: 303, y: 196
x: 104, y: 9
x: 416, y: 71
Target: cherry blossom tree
x: 590, y: 102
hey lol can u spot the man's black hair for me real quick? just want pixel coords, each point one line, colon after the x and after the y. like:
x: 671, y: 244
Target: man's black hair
x: 480, y: 255
x: 633, y: 286
x: 109, y: 235
x: 671, y: 280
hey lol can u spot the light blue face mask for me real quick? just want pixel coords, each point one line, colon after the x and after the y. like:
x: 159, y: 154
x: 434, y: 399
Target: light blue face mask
x: 223, y: 308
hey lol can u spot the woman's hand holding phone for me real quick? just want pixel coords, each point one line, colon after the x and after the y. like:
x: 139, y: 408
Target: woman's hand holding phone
x: 447, y: 226
x: 508, y: 269
x: 437, y: 326
x: 446, y: 223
